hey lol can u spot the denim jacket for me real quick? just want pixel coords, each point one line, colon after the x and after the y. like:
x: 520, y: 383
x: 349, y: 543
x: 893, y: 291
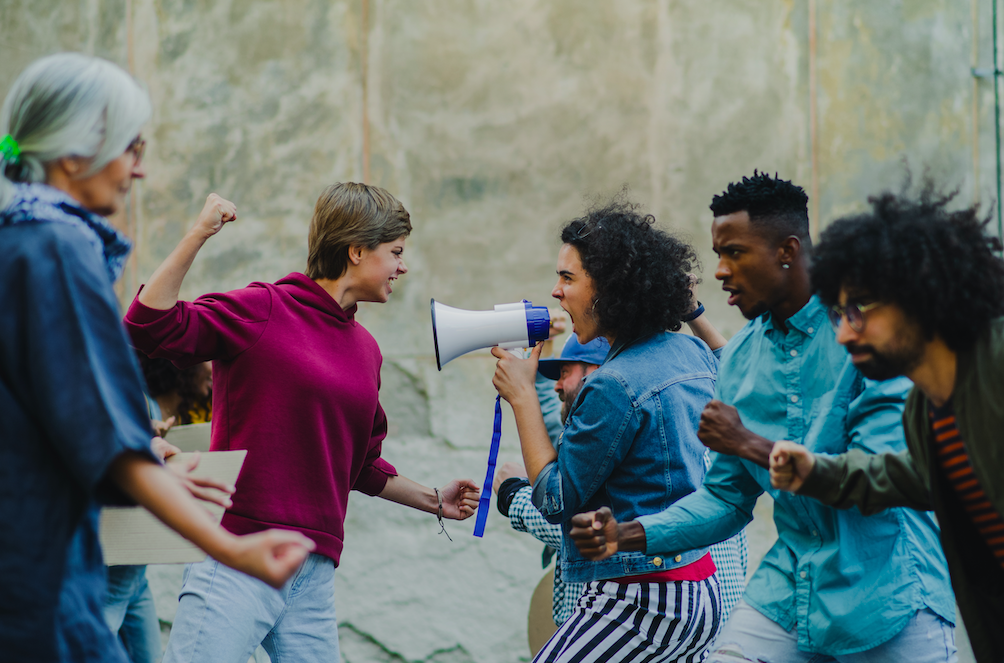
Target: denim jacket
x: 630, y: 443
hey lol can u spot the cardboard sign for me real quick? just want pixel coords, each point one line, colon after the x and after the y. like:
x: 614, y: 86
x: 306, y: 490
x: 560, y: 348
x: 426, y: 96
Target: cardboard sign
x: 192, y: 437
x: 540, y: 622
x: 133, y: 535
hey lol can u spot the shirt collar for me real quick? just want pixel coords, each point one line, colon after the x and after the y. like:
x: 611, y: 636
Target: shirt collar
x: 807, y: 320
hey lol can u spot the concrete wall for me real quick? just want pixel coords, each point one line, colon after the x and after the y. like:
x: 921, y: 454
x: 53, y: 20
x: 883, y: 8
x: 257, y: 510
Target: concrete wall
x: 494, y: 122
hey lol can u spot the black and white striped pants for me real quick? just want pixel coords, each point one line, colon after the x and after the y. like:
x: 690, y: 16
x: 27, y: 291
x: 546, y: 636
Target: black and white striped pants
x: 644, y: 621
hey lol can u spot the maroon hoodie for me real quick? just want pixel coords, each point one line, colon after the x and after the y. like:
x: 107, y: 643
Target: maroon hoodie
x: 295, y: 382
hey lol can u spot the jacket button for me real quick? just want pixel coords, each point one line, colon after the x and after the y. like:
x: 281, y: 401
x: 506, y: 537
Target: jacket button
x: 678, y: 558
x: 657, y: 561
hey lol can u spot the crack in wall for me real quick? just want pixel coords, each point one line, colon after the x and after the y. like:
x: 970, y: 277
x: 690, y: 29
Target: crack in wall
x: 359, y: 646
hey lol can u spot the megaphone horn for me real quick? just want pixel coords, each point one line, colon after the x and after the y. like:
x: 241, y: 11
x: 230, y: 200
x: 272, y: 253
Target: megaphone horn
x: 457, y: 332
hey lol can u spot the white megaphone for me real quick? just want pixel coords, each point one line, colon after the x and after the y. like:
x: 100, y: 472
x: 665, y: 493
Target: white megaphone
x: 509, y: 326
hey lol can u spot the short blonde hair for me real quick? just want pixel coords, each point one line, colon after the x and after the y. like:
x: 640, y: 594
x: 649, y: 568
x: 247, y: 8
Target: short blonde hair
x: 350, y: 214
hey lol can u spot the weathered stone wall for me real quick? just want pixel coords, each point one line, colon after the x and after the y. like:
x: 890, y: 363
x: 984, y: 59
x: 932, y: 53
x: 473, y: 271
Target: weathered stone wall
x: 494, y: 122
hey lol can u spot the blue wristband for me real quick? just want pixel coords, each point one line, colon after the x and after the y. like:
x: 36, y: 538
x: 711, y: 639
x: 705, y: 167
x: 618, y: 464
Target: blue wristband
x: 695, y: 314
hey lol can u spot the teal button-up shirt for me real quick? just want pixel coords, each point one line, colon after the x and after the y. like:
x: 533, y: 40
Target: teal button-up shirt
x: 846, y: 582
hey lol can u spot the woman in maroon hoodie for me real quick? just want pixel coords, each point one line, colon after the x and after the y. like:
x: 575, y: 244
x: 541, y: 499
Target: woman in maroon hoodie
x: 295, y: 382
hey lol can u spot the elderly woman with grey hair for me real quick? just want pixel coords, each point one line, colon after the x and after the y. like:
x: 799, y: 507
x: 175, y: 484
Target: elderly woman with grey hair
x: 75, y: 431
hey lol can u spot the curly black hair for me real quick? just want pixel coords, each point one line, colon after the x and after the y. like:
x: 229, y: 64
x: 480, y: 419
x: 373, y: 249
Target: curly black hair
x: 639, y: 272
x: 163, y: 377
x: 775, y: 206
x: 937, y: 265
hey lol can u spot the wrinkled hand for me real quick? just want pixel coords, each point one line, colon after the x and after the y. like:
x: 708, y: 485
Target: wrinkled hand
x: 460, y: 499
x: 595, y: 534
x: 160, y: 428
x: 514, y: 378
x: 790, y: 465
x: 721, y: 429
x: 272, y: 556
x: 507, y: 471
x: 215, y: 213
x: 203, y: 488
x: 162, y: 447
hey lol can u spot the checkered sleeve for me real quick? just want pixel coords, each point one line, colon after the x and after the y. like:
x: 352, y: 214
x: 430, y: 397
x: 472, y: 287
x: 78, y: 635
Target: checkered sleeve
x: 524, y: 517
x: 731, y: 557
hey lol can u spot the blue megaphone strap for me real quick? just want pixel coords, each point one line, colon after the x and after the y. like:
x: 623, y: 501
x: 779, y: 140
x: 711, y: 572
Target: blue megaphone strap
x: 485, y: 503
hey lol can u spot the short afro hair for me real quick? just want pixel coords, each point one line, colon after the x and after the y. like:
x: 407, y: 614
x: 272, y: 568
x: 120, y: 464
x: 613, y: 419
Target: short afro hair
x: 937, y: 265
x: 776, y: 207
x: 640, y: 273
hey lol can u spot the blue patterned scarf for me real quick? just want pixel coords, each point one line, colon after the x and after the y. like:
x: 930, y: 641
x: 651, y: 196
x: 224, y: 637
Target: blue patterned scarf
x: 41, y: 202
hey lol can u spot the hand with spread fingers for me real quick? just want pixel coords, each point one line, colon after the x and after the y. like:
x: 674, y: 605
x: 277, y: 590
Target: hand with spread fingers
x: 204, y: 488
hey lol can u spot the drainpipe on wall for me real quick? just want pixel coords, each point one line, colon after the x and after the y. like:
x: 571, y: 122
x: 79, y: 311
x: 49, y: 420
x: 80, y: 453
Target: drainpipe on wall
x: 995, y: 71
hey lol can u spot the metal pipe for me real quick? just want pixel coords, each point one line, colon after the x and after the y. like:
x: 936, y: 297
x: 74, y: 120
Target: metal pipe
x: 997, y: 123
x: 994, y: 71
x: 364, y: 47
x: 130, y: 283
x: 814, y: 221
x: 974, y: 7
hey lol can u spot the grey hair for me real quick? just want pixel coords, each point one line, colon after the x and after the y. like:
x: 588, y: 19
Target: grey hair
x: 69, y: 104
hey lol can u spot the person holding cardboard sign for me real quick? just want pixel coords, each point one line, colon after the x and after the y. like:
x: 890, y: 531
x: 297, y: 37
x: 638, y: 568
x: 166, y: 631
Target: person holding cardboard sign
x: 75, y: 429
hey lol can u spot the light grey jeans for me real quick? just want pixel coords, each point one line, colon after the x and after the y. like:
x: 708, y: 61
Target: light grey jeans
x: 748, y: 636
x: 223, y: 615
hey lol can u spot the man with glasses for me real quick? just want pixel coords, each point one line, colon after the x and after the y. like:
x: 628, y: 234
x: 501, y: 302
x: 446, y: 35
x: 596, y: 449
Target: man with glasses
x: 836, y: 586
x: 917, y: 290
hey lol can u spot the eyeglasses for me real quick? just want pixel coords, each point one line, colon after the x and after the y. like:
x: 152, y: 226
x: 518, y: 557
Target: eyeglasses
x: 855, y: 314
x: 137, y: 147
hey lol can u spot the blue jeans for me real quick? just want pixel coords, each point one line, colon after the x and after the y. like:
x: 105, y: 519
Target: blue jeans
x: 130, y: 612
x: 749, y: 636
x: 223, y: 615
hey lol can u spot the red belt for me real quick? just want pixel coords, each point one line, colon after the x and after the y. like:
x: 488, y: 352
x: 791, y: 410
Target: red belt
x: 702, y: 569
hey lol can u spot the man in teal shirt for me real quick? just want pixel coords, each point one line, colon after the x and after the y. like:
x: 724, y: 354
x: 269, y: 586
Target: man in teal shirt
x: 898, y: 275
x: 836, y: 586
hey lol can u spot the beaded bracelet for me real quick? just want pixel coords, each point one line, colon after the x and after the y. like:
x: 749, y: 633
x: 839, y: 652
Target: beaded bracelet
x: 439, y: 515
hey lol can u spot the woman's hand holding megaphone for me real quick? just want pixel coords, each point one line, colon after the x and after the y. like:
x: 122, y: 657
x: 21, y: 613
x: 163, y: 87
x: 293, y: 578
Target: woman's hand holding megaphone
x: 514, y: 377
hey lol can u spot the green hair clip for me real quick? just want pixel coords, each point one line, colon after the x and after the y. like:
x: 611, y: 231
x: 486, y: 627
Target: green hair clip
x: 10, y: 150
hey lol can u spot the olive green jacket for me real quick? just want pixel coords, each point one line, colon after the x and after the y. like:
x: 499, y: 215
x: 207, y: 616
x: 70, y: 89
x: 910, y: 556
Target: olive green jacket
x: 912, y: 479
